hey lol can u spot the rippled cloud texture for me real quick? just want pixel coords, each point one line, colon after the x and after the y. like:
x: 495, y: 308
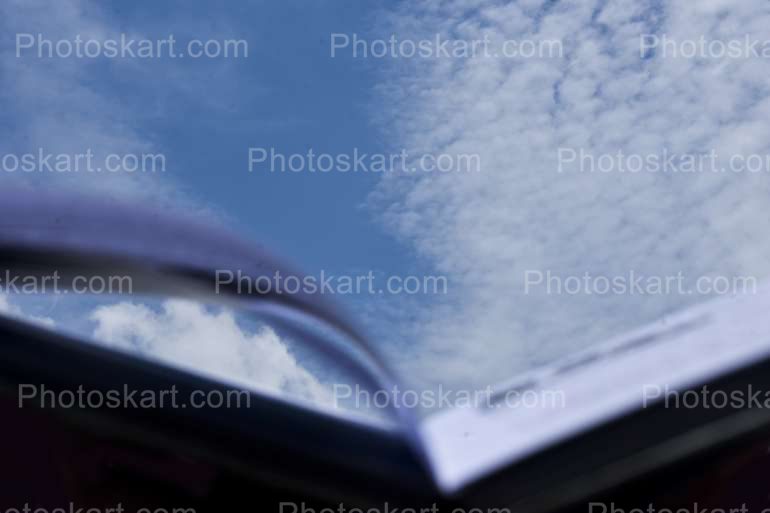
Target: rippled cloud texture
x: 518, y: 214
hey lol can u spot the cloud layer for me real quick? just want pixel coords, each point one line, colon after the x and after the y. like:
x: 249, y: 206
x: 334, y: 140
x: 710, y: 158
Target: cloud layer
x: 487, y: 229
x: 188, y: 335
x: 13, y: 311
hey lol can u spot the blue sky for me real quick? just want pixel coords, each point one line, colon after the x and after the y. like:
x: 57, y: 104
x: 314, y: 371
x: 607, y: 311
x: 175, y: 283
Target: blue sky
x: 203, y: 115
x: 289, y: 94
x: 486, y: 231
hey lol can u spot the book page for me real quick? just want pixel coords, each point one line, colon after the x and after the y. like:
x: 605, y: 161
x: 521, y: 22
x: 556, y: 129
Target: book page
x: 613, y: 378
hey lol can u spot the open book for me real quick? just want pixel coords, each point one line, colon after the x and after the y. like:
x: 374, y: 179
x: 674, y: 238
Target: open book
x: 616, y: 395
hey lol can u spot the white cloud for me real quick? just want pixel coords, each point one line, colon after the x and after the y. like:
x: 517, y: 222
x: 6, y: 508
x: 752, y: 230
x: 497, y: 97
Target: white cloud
x: 14, y: 311
x: 186, y: 334
x: 485, y: 230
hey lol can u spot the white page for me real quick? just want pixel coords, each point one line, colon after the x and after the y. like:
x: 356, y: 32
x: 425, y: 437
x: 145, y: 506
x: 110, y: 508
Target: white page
x: 681, y: 350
